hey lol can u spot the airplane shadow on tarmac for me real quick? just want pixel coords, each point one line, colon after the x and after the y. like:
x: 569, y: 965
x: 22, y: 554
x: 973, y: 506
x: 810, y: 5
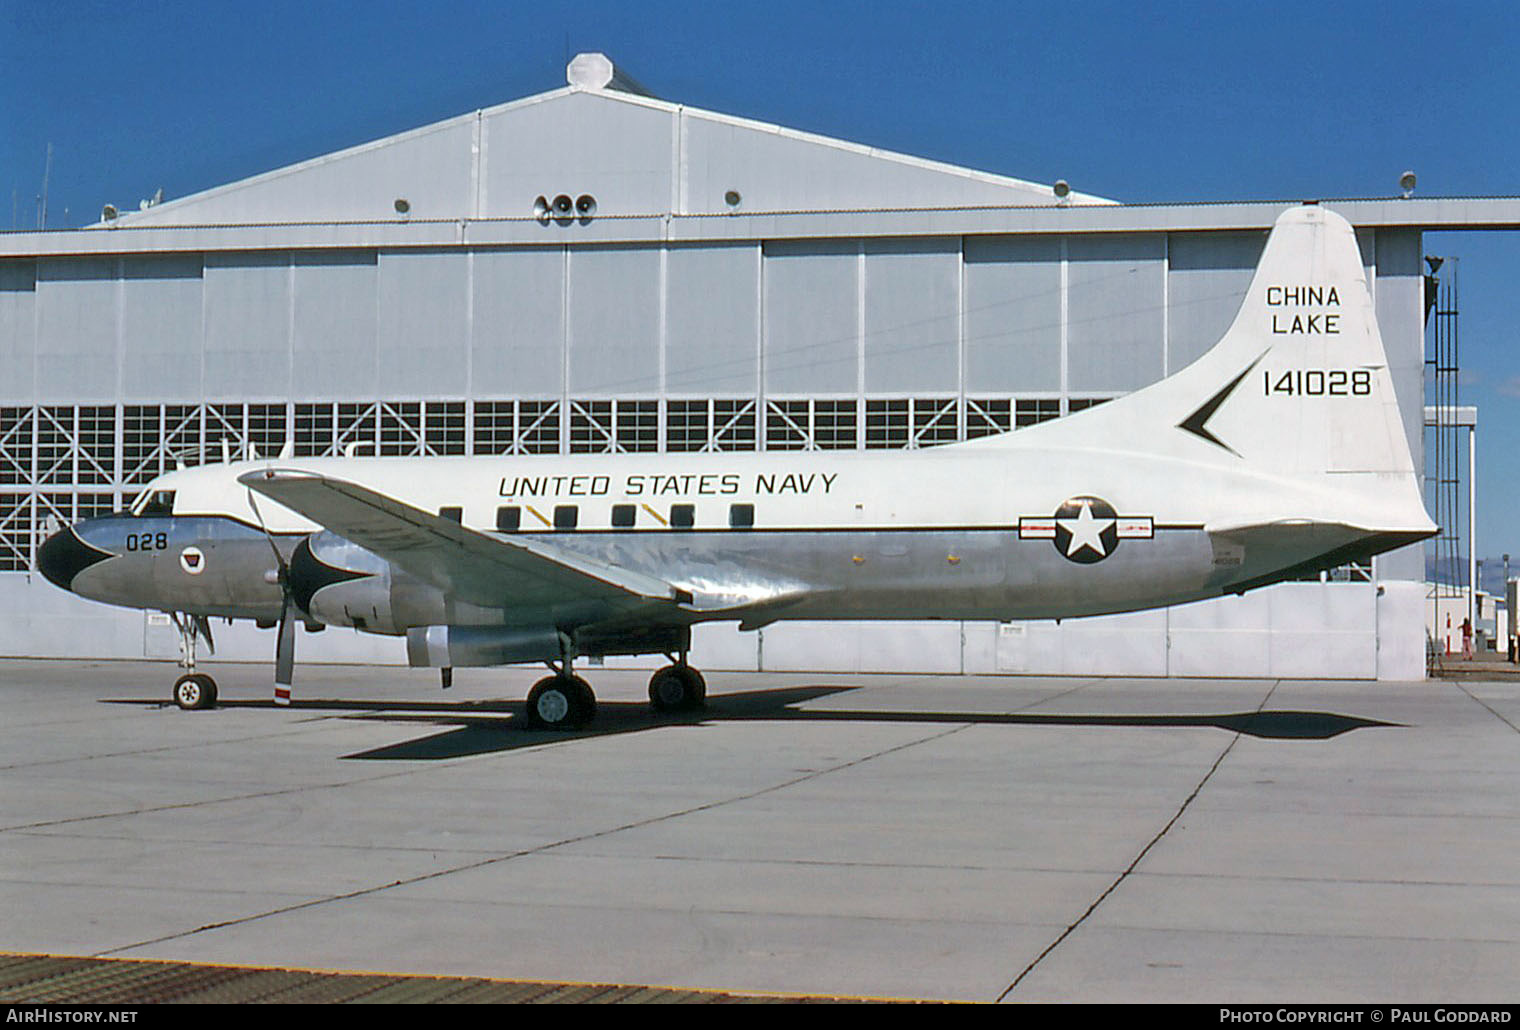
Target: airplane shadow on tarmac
x: 483, y: 727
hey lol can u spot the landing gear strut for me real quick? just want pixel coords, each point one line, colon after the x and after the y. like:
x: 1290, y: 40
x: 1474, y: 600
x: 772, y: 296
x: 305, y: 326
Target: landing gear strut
x: 677, y: 688
x: 194, y: 690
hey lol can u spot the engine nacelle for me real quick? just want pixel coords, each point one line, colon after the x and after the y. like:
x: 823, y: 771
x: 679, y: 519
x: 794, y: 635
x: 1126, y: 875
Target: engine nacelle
x: 341, y: 584
x: 461, y: 646
x: 464, y: 646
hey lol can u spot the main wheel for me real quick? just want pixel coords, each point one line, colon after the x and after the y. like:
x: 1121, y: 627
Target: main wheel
x: 677, y: 688
x: 194, y: 691
x: 560, y: 703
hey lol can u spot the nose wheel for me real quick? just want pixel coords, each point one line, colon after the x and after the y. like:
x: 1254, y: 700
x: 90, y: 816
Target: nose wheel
x: 194, y: 691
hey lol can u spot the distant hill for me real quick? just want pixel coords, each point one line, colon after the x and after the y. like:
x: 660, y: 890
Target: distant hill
x: 1490, y: 575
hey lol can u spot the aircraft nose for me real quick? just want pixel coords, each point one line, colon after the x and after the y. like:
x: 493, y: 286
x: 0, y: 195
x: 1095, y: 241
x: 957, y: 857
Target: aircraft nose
x: 64, y: 555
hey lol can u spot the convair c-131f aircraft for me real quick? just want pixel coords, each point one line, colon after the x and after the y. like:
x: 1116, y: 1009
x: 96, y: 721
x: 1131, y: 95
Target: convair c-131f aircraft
x: 1279, y: 452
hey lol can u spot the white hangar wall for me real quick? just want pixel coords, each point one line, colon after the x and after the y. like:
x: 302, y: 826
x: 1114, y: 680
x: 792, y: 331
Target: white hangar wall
x: 301, y: 304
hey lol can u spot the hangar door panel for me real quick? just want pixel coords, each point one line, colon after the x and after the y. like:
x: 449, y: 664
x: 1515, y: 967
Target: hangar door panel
x: 1207, y: 279
x: 912, y: 316
x: 18, y: 328
x: 812, y: 324
x: 161, y: 326
x: 335, y: 316
x: 423, y: 332
x: 613, y: 313
x: 1115, y: 312
x: 712, y: 320
x: 518, y: 332
x: 76, y: 329
x: 1013, y: 314
x: 247, y: 310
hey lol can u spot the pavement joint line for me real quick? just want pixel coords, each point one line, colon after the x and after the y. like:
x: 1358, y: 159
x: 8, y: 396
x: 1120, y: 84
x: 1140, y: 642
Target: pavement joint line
x: 1138, y: 858
x: 540, y: 849
x: 1308, y: 936
x: 1484, y: 704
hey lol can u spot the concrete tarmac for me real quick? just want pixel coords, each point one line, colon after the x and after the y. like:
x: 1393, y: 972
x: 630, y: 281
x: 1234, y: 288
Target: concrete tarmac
x: 983, y: 839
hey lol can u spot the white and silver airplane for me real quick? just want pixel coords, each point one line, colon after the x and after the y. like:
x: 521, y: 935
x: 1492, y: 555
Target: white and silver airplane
x: 1279, y: 452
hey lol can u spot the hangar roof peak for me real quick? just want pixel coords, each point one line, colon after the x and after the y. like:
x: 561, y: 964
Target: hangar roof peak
x: 605, y: 136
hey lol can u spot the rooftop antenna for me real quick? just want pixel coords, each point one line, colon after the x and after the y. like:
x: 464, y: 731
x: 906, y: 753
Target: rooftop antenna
x: 47, y: 172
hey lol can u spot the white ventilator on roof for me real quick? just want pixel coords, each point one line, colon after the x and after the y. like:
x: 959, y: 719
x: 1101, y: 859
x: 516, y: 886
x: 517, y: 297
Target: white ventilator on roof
x: 596, y: 71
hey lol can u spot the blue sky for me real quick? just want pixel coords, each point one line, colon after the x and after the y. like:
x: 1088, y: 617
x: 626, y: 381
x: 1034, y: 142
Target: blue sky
x: 1140, y: 102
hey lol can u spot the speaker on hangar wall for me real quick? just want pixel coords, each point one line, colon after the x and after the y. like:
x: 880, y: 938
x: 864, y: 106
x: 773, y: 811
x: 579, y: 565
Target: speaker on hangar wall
x: 564, y: 210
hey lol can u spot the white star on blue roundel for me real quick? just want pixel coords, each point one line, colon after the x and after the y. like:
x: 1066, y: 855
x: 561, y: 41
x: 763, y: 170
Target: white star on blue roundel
x: 1087, y: 530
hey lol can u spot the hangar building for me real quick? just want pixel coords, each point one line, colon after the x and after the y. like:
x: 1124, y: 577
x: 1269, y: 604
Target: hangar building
x: 716, y: 284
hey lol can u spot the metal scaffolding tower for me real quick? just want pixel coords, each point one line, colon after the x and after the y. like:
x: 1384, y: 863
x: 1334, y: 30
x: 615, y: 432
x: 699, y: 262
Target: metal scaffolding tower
x: 1445, y: 418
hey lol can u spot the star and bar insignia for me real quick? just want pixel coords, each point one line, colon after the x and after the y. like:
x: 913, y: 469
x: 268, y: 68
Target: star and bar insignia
x: 1086, y: 529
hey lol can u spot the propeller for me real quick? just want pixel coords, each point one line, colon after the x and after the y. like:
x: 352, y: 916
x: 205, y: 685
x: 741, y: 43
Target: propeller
x: 285, y: 641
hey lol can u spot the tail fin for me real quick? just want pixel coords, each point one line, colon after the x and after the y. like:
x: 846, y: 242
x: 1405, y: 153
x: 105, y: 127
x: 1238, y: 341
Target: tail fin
x: 1299, y: 385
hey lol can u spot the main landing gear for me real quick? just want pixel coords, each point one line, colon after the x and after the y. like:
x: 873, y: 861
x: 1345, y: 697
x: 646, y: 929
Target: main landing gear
x: 564, y: 701
x: 677, y: 688
x: 194, y: 690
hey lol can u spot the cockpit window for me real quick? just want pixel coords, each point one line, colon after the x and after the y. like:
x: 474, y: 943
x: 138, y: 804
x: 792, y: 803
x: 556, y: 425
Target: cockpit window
x: 154, y: 503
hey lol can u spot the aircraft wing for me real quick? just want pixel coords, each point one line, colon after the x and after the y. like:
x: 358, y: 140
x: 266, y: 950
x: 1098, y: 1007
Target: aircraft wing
x: 471, y: 566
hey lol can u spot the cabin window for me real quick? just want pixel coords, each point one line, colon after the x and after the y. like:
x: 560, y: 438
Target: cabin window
x: 509, y: 518
x: 683, y: 516
x: 622, y: 516
x: 741, y: 516
x: 566, y: 516
x: 452, y: 513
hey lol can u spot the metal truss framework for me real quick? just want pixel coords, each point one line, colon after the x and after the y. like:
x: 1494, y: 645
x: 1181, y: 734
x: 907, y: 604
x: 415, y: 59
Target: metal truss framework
x: 62, y: 463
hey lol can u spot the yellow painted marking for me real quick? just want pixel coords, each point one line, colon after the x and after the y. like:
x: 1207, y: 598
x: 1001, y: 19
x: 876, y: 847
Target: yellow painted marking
x: 539, y: 516
x: 657, y: 516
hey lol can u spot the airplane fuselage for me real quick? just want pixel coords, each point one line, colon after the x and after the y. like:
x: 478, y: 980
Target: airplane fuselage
x: 957, y: 532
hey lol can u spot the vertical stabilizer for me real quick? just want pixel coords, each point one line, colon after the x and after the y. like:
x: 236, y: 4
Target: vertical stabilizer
x: 1299, y: 386
x: 1303, y: 386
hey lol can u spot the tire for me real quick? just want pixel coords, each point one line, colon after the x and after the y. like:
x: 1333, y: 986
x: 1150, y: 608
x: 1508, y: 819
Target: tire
x: 560, y: 703
x: 194, y: 691
x: 677, y: 688
x: 585, y: 700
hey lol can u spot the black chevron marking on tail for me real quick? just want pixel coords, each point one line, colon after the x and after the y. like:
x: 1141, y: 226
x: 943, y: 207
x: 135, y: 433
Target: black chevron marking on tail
x: 1195, y: 423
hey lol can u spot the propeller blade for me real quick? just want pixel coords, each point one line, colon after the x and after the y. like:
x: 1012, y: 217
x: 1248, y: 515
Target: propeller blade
x: 278, y: 557
x: 284, y: 655
x: 285, y: 643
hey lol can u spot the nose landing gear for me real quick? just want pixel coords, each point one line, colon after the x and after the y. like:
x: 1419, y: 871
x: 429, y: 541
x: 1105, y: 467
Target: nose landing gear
x: 194, y: 690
